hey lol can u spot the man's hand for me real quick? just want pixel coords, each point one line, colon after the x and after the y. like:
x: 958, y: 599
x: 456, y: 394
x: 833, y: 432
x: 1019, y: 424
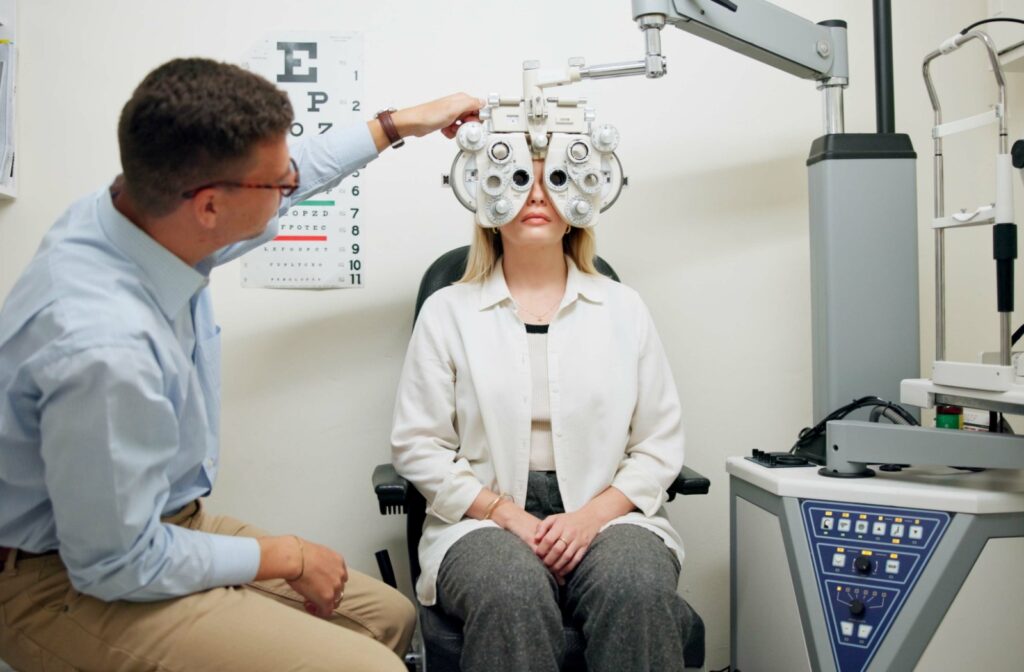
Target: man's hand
x: 323, y: 579
x: 446, y: 114
x: 313, y: 571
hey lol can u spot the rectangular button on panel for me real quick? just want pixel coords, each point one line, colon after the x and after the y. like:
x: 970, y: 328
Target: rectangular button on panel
x: 844, y: 525
x: 878, y: 529
x: 827, y: 523
x: 916, y: 532
x: 839, y: 560
x: 864, y: 631
x: 897, y: 529
x: 892, y: 566
x: 861, y: 527
x: 847, y: 628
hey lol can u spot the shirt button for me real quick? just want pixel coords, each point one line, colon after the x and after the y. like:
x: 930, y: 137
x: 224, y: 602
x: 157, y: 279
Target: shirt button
x: 209, y: 463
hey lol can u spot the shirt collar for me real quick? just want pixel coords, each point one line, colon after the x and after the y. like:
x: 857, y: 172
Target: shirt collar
x: 173, y: 282
x: 577, y: 285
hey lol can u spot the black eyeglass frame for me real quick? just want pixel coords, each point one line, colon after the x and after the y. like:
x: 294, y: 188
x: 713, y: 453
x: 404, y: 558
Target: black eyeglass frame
x: 285, y: 189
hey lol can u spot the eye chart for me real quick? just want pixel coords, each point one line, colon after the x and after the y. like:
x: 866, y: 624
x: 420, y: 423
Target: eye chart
x: 318, y: 245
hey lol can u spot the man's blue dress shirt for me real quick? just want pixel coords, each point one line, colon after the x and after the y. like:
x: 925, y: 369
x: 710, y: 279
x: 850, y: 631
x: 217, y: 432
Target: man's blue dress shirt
x: 110, y: 397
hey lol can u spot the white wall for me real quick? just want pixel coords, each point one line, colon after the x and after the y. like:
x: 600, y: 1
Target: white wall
x: 712, y: 232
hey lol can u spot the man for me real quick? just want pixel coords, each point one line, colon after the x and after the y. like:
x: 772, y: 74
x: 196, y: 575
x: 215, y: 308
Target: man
x: 109, y: 404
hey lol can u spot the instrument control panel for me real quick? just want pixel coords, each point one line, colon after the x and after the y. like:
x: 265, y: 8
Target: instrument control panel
x: 867, y: 560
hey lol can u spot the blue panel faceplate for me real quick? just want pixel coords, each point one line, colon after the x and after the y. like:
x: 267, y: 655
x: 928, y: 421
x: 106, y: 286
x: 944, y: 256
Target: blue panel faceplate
x: 866, y: 562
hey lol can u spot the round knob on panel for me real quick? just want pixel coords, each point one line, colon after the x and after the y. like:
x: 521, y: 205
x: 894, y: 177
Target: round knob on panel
x: 470, y: 136
x: 857, y: 609
x: 606, y: 138
x: 500, y: 151
x: 862, y: 565
x: 502, y: 206
x: 578, y: 152
x: 578, y: 211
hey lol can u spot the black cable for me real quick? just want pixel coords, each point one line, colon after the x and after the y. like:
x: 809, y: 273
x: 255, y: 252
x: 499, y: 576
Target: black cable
x: 992, y: 20
x: 809, y: 434
x: 1017, y: 334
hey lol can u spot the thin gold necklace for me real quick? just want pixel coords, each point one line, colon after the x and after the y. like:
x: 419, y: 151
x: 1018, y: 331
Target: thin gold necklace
x: 539, y: 317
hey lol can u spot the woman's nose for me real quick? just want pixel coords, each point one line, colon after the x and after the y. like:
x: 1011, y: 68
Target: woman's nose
x: 537, y: 195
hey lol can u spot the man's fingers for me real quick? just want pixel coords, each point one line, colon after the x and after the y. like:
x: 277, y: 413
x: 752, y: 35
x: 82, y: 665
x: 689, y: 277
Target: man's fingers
x: 452, y: 129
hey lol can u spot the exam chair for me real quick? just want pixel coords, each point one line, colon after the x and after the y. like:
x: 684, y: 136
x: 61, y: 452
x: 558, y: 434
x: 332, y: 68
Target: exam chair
x: 442, y: 634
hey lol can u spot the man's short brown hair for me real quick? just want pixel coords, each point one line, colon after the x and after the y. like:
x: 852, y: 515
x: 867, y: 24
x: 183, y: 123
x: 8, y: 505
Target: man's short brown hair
x: 193, y: 121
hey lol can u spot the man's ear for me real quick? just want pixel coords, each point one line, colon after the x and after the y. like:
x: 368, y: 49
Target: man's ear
x: 206, y: 208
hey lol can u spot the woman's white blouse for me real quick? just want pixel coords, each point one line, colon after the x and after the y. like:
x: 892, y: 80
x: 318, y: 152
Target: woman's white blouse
x: 463, y: 411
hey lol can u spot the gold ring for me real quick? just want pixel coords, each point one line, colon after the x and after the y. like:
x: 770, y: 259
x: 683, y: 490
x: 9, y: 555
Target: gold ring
x: 563, y: 541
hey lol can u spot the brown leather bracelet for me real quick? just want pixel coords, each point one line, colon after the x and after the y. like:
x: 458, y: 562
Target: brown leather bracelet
x: 388, y: 125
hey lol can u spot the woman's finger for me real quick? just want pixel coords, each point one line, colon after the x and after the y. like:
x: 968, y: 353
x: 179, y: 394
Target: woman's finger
x: 576, y: 558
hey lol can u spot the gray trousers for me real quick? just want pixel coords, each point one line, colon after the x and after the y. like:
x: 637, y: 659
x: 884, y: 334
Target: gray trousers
x: 622, y: 596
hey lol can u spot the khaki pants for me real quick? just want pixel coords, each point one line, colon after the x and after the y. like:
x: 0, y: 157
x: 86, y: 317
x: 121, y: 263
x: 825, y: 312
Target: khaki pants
x: 45, y: 624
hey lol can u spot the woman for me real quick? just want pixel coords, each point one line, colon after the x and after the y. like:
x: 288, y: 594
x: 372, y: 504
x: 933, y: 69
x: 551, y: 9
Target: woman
x: 538, y: 416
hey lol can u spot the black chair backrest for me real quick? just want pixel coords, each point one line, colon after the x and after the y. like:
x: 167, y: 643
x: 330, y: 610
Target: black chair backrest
x: 446, y: 270
x: 450, y: 266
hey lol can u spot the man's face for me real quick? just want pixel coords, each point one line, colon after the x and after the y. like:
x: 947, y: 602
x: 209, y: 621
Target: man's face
x: 248, y: 210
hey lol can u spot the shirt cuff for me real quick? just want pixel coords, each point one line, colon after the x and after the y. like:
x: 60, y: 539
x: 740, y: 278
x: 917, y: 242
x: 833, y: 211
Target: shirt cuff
x: 236, y: 560
x: 456, y: 495
x: 640, y: 488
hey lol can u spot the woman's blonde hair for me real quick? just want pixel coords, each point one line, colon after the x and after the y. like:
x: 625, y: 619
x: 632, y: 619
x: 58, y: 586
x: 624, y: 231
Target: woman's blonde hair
x: 484, y: 251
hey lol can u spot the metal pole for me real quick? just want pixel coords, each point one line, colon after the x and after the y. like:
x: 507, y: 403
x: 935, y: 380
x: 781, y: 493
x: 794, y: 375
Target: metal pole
x: 834, y: 122
x: 885, y: 109
x: 940, y: 211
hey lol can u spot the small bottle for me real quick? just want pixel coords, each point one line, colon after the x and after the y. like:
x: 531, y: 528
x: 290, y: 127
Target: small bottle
x: 949, y: 417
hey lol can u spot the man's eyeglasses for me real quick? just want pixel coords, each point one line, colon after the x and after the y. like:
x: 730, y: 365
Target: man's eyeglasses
x: 285, y: 189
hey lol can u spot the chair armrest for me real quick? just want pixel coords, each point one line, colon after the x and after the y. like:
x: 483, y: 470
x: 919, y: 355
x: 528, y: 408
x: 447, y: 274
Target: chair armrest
x: 391, y: 489
x: 688, y: 482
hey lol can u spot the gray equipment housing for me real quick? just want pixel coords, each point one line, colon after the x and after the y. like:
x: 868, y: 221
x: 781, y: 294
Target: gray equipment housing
x: 863, y: 234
